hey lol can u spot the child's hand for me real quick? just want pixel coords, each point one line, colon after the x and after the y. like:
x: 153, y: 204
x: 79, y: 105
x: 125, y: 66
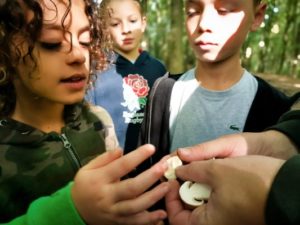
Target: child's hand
x: 101, y: 198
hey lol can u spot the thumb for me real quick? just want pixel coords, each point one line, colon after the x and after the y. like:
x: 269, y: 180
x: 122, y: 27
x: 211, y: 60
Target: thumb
x: 199, y: 171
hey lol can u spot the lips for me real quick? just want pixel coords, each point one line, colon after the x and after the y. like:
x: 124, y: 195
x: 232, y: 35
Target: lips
x: 204, y: 43
x: 74, y: 79
x: 128, y: 40
x: 75, y: 82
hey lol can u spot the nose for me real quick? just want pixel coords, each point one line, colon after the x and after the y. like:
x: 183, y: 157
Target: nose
x: 77, y: 54
x: 126, y: 28
x: 206, y: 20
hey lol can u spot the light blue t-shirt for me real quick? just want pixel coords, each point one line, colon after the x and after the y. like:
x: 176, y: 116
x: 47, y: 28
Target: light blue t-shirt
x: 198, y: 114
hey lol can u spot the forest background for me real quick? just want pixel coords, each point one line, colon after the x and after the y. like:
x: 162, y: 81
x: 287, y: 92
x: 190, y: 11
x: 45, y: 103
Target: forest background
x: 273, y: 49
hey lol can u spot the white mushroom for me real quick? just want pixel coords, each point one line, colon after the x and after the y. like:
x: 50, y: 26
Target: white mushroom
x: 194, y: 194
x: 173, y: 163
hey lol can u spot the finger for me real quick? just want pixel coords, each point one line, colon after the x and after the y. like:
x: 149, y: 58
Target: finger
x: 104, y: 159
x: 141, y: 202
x: 160, y: 223
x: 219, y: 148
x: 201, y: 215
x: 198, y: 171
x: 130, y: 188
x: 144, y: 218
x: 177, y: 214
x: 127, y: 163
x: 173, y: 202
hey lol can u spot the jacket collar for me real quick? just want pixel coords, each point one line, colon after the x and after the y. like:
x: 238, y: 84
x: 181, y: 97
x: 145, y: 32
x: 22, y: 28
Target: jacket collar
x: 122, y: 61
x: 15, y: 132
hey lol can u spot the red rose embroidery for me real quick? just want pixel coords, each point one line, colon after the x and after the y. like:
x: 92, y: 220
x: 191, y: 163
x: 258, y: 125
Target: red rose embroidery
x: 138, y: 84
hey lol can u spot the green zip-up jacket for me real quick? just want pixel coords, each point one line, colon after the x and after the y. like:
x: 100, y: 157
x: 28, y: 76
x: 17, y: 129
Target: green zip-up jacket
x: 37, y: 168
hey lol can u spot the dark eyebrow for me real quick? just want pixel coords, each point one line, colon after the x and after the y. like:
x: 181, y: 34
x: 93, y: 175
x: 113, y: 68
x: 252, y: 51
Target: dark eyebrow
x: 192, y: 1
x: 60, y: 28
x: 52, y: 26
x: 229, y: 1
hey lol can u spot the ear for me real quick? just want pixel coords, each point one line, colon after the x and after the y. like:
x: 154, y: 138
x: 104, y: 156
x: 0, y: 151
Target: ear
x: 259, y: 16
x: 144, y: 24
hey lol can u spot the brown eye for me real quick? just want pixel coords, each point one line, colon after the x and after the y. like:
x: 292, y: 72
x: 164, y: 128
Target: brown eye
x: 85, y: 39
x: 50, y: 46
x: 86, y: 44
x: 192, y: 12
x: 223, y: 11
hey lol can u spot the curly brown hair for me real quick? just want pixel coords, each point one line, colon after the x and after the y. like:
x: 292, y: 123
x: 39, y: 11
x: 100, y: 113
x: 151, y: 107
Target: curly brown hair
x: 104, y: 6
x: 13, y: 22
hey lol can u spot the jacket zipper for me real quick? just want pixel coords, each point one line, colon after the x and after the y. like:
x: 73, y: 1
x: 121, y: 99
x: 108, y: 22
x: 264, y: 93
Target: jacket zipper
x: 70, y: 149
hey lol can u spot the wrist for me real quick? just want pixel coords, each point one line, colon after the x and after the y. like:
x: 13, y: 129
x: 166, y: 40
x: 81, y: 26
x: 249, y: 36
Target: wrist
x: 276, y: 144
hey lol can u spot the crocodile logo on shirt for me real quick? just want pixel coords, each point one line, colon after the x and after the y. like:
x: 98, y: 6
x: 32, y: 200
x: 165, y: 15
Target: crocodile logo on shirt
x: 234, y: 127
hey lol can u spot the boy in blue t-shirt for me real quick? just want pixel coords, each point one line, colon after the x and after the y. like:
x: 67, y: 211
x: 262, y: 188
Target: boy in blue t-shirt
x: 218, y: 96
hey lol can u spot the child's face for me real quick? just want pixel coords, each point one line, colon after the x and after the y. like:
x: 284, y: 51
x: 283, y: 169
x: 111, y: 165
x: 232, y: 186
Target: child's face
x: 62, y: 70
x: 217, y: 28
x: 126, y: 25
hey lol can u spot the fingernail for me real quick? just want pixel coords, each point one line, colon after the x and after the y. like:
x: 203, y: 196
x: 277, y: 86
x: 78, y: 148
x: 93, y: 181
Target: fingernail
x: 162, y: 216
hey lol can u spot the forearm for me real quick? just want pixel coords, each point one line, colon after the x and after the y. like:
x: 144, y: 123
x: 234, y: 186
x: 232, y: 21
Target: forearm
x: 55, y: 209
x: 270, y: 143
x: 289, y: 125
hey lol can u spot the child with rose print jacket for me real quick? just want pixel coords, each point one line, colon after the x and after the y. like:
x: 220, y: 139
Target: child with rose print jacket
x: 123, y: 88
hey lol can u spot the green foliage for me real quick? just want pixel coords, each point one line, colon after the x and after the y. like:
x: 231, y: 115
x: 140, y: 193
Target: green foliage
x: 275, y: 47
x: 281, y: 37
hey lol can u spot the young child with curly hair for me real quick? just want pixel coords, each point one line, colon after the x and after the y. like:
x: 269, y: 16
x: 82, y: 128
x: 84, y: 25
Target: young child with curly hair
x: 123, y: 89
x: 49, y: 135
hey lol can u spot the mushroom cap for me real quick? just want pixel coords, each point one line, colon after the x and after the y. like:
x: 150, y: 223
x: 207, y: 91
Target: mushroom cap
x: 194, y: 194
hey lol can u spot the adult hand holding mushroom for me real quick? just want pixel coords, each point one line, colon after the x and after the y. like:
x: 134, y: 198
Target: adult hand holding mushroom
x: 239, y: 185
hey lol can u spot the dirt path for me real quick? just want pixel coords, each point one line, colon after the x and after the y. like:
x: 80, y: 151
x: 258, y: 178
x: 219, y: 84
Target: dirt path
x: 286, y: 84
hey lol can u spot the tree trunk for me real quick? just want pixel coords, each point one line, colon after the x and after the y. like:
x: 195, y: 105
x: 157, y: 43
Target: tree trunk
x: 175, y: 56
